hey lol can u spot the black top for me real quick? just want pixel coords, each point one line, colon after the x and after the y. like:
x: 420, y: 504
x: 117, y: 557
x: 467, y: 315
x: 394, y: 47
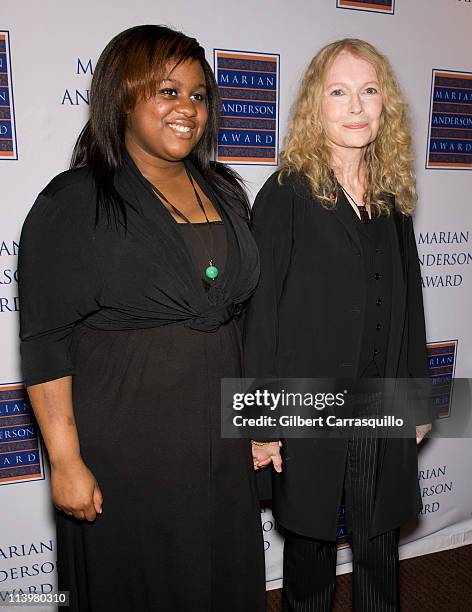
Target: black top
x: 206, y: 241
x: 377, y: 260
x: 73, y: 272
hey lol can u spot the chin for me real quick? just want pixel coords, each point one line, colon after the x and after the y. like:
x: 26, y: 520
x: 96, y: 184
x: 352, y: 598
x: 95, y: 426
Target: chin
x: 357, y: 143
x: 179, y: 153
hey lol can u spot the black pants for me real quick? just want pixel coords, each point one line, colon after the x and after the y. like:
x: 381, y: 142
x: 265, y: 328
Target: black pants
x: 310, y: 565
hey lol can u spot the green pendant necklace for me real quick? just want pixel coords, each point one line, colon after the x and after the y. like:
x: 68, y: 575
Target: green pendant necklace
x: 211, y: 271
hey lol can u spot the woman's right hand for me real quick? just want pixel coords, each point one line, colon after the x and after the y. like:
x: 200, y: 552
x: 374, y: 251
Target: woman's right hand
x: 75, y: 490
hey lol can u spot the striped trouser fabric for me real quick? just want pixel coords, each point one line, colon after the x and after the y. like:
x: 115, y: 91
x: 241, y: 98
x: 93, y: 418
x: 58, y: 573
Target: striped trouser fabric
x: 310, y: 565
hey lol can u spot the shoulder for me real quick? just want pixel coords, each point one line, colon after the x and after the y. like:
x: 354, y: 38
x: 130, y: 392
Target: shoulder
x: 288, y: 185
x: 67, y: 201
x: 402, y: 220
x: 73, y: 189
x: 70, y: 182
x: 224, y: 183
x: 279, y: 195
x: 218, y: 173
x: 286, y: 188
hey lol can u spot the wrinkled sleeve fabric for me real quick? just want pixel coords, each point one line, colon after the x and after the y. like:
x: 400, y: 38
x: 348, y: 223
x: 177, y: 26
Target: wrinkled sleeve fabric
x: 59, y: 280
x: 416, y: 356
x: 272, y: 227
x: 417, y: 359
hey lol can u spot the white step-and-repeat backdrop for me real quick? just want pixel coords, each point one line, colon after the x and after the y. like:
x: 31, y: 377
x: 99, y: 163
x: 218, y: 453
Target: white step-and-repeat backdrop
x: 47, y: 55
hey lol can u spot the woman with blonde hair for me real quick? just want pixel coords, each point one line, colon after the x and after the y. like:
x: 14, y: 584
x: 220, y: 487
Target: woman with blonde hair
x: 339, y: 297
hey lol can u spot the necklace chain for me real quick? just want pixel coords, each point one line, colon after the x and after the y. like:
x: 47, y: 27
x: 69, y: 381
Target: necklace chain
x: 361, y: 207
x: 211, y: 271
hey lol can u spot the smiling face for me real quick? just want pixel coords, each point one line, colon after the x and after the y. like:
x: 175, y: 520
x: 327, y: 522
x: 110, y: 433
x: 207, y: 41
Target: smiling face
x: 351, y: 104
x: 169, y: 125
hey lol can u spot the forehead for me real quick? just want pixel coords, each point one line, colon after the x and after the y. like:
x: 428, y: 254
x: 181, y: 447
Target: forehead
x: 347, y: 67
x: 187, y: 71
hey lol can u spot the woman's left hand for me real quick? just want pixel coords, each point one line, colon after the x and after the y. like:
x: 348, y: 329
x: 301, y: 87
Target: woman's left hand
x: 421, y: 431
x: 266, y: 453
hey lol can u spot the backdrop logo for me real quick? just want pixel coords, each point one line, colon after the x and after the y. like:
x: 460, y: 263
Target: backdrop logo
x: 7, y: 114
x: 450, y: 123
x: 8, y: 276
x: 249, y: 89
x: 77, y: 97
x: 445, y: 263
x: 376, y: 6
x: 442, y: 363
x: 434, y: 482
x: 20, y: 451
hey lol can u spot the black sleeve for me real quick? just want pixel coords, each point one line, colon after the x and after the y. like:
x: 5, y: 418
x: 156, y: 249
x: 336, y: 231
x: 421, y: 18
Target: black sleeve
x: 417, y: 362
x: 272, y: 223
x: 58, y: 282
x: 417, y: 359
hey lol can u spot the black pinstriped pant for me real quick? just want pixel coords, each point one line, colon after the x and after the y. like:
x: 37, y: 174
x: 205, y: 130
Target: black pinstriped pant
x: 310, y: 565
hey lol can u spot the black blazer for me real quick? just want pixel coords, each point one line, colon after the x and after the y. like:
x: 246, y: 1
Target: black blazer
x: 305, y: 320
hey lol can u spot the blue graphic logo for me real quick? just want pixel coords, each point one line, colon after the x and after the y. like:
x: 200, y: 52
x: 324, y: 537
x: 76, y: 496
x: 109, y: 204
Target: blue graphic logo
x: 249, y: 89
x: 450, y: 122
x: 442, y: 363
x: 7, y: 114
x: 20, y: 448
x: 373, y: 6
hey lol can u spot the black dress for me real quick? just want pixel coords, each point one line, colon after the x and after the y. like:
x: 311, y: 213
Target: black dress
x: 180, y: 529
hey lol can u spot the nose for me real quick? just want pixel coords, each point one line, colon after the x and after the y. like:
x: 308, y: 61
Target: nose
x: 355, y: 104
x: 186, y: 107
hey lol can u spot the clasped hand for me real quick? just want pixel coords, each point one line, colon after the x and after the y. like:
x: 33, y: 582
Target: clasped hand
x: 263, y: 455
x: 266, y: 454
x: 421, y: 431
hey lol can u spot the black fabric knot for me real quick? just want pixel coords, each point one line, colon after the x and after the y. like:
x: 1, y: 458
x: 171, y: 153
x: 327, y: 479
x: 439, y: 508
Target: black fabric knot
x: 216, y: 294
x: 211, y: 320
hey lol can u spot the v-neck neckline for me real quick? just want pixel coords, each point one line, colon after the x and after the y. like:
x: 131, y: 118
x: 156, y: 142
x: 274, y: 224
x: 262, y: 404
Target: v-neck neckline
x: 191, y: 178
x: 358, y: 218
x: 173, y: 225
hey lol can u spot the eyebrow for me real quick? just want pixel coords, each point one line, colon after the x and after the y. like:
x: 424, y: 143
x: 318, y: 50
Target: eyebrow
x: 177, y: 82
x: 345, y: 84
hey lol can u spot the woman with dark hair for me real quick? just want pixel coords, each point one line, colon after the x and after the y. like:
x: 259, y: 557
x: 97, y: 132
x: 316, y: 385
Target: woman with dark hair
x: 134, y: 266
x: 340, y: 299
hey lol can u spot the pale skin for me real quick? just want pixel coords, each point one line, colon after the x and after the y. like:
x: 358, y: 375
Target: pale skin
x: 351, y: 110
x: 161, y: 132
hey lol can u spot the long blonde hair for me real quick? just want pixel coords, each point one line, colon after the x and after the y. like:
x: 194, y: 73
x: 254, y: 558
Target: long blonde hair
x: 389, y: 157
